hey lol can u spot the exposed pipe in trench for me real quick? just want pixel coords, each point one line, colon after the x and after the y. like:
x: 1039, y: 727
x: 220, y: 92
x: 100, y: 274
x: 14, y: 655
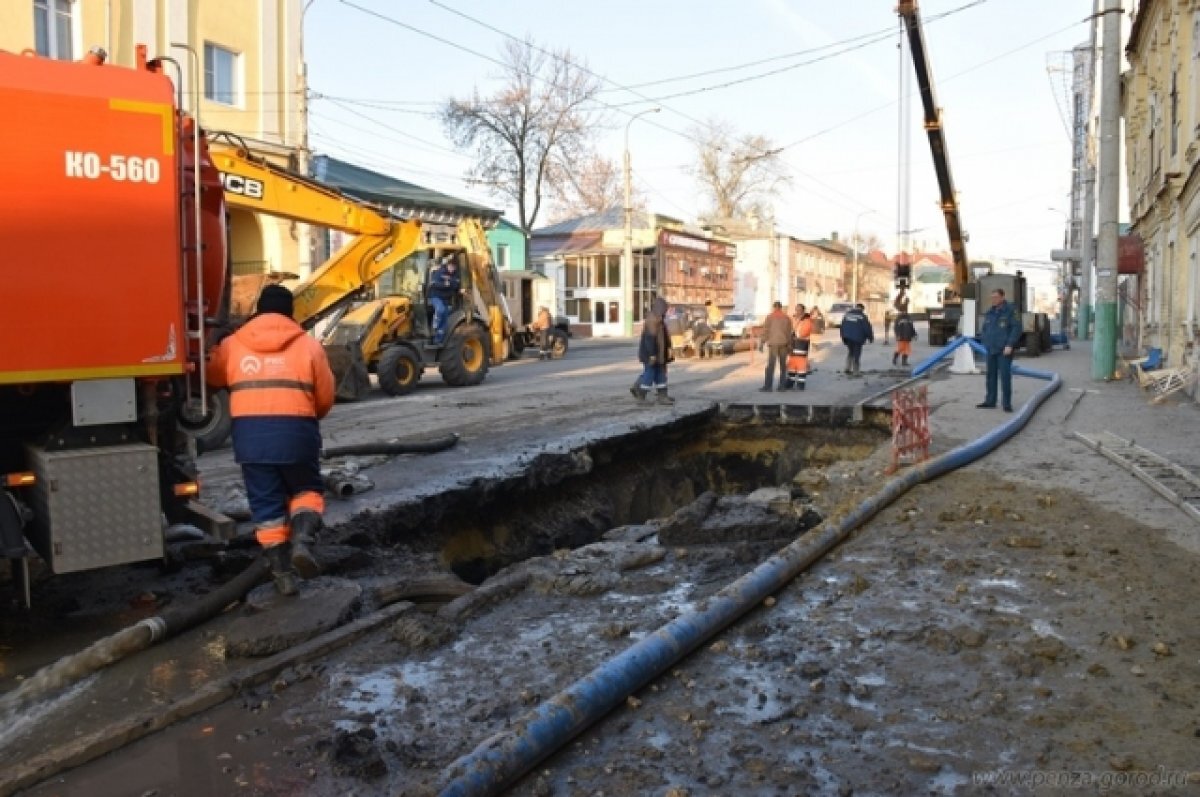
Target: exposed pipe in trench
x: 137, y: 637
x: 391, y: 448
x: 500, y: 760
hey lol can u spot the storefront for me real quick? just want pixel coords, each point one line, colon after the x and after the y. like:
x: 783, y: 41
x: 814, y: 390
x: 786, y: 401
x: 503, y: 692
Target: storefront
x: 696, y: 270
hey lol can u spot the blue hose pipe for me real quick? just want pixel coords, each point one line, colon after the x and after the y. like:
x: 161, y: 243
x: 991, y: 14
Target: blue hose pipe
x: 500, y: 760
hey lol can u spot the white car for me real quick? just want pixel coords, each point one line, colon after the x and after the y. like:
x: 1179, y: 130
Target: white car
x: 738, y: 325
x: 836, y: 311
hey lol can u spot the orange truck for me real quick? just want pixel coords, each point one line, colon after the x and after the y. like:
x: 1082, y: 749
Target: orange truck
x: 113, y: 258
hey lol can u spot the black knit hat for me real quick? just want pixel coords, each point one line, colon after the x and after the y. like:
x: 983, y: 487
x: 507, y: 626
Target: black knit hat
x: 275, y: 299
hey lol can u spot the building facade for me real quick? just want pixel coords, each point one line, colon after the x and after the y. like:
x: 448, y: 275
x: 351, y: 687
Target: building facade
x: 239, y: 69
x: 508, y: 243
x: 583, y: 256
x: 1161, y: 106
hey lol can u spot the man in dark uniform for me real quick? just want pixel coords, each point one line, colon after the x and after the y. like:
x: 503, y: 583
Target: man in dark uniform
x: 1001, y: 331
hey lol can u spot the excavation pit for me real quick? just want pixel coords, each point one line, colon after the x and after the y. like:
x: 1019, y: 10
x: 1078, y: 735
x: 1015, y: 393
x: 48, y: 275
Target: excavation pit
x: 574, y: 496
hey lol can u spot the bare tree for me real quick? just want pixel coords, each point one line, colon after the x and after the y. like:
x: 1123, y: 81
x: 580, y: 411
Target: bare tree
x: 541, y: 116
x: 591, y: 186
x: 741, y: 174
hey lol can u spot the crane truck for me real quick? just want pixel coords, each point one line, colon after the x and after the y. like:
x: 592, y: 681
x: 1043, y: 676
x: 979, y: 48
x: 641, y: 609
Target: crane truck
x: 944, y: 321
x: 373, y: 291
x: 111, y: 202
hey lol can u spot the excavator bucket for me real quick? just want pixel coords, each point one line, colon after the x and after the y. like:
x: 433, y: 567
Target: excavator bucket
x: 350, y: 373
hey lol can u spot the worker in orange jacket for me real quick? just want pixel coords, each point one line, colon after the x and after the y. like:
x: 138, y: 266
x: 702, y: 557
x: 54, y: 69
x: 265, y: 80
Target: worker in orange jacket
x: 280, y: 386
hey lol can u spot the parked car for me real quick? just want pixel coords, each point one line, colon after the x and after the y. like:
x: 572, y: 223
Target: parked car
x: 836, y: 311
x: 738, y: 324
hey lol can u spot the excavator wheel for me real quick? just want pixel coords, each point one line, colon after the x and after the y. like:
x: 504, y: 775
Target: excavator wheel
x: 398, y: 371
x: 464, y: 358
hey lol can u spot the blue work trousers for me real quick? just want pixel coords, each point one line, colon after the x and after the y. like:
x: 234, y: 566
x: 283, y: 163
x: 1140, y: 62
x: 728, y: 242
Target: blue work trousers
x: 654, y: 375
x: 441, y: 310
x: 269, y: 488
x: 999, y: 366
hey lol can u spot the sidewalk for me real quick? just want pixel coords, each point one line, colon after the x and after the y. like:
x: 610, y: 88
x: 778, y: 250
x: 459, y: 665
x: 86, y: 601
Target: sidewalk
x: 1045, y: 452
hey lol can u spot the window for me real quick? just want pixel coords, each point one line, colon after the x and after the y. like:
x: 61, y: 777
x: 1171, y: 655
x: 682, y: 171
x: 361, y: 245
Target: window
x: 502, y: 256
x: 220, y: 74
x: 52, y: 28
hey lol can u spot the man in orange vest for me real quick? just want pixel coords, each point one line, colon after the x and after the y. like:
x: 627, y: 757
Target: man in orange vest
x: 280, y: 386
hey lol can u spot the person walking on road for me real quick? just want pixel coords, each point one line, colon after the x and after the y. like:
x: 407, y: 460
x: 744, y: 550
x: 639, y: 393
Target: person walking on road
x: 906, y: 332
x: 777, y: 337
x: 654, y: 352
x: 856, y: 331
x: 280, y: 386
x: 1001, y: 331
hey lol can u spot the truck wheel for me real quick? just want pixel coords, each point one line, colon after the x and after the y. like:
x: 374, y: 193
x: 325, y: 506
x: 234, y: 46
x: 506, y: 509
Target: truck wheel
x: 398, y: 371
x: 212, y: 431
x: 464, y: 358
x: 1033, y: 341
x: 516, y: 346
x: 558, y: 343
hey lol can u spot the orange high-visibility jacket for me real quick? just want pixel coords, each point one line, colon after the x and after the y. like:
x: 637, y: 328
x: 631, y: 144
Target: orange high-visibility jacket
x: 272, y: 368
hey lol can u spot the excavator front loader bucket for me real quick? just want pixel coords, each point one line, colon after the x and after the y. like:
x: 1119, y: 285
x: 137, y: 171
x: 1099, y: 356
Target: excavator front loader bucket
x: 350, y: 373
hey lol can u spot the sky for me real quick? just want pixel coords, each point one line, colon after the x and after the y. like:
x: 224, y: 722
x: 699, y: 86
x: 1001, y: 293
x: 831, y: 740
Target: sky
x: 825, y: 88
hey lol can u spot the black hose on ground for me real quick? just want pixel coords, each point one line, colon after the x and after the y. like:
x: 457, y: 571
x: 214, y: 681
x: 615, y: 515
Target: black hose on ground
x: 137, y: 637
x: 391, y: 448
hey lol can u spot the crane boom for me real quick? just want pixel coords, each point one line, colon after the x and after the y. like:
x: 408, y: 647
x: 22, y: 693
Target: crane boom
x: 907, y: 9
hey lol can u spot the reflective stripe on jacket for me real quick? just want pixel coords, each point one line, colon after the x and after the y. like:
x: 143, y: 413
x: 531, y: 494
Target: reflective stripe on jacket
x: 273, y: 369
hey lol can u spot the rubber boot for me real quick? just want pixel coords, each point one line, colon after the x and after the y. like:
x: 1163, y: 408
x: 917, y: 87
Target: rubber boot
x: 904, y: 360
x: 663, y: 398
x: 305, y: 526
x: 637, y: 391
x: 279, y: 557
x: 894, y: 358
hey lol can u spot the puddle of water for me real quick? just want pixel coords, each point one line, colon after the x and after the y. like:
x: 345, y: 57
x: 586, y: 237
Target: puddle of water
x: 1003, y: 583
x: 1043, y: 628
x: 14, y: 727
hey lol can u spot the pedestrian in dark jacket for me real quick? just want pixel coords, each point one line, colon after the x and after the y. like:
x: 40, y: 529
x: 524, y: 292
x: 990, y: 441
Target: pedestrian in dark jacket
x: 856, y: 330
x: 280, y: 386
x: 1001, y: 331
x: 654, y: 352
x: 906, y: 332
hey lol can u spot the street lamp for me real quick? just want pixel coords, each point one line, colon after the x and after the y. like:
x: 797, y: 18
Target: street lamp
x: 854, y: 269
x: 627, y: 259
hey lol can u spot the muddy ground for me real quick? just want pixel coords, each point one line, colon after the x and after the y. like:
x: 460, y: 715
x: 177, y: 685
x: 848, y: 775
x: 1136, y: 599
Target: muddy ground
x: 979, y: 627
x: 1030, y: 616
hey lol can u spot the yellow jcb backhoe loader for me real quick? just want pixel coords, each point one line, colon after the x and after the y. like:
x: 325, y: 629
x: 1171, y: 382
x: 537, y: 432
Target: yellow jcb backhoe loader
x: 372, y: 294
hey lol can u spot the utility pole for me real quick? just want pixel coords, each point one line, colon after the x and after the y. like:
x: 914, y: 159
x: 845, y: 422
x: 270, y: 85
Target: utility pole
x: 627, y: 259
x: 1087, y: 240
x: 304, y: 232
x: 1104, y: 349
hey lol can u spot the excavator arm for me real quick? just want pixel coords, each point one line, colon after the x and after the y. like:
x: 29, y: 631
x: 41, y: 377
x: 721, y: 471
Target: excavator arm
x: 380, y: 240
x: 907, y: 9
